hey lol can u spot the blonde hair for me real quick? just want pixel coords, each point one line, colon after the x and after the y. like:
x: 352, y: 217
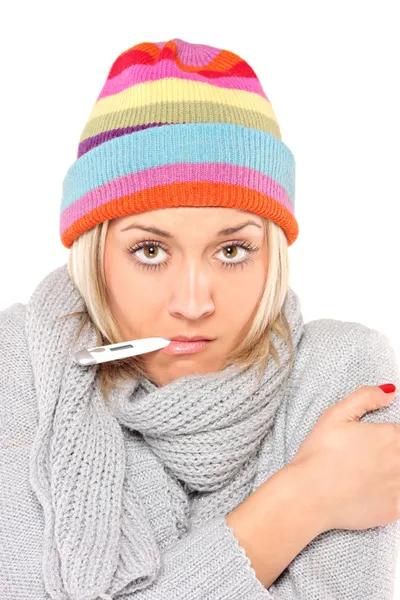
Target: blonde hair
x: 86, y: 270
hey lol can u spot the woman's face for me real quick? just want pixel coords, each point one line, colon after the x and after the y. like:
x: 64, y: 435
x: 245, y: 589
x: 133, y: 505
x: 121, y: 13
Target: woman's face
x: 191, y: 281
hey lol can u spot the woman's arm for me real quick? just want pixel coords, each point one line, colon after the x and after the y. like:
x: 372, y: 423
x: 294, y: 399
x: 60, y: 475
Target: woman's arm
x: 276, y: 522
x: 339, y: 563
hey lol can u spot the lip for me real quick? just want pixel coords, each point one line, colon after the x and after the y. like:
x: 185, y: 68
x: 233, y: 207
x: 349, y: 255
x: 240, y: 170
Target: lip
x: 185, y: 347
x: 185, y: 338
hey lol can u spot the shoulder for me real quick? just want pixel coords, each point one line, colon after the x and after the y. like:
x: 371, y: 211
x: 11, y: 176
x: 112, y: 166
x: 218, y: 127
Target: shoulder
x: 13, y: 349
x: 346, y: 349
x: 13, y: 316
x: 12, y: 337
x: 335, y: 358
x: 345, y: 337
x: 18, y: 406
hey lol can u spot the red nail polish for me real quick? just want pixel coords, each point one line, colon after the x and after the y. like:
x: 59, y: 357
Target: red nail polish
x: 388, y: 387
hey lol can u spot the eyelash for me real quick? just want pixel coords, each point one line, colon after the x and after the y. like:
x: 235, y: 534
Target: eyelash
x: 247, y: 245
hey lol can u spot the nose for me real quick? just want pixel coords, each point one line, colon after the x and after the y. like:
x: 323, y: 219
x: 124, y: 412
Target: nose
x: 191, y: 293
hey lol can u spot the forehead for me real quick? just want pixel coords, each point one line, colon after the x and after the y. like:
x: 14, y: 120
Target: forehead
x: 176, y: 216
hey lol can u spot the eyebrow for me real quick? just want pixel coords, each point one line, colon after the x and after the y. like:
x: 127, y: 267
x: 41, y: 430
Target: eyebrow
x: 156, y: 231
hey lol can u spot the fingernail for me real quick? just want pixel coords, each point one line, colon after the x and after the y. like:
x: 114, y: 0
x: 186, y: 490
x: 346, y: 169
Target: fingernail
x: 388, y: 387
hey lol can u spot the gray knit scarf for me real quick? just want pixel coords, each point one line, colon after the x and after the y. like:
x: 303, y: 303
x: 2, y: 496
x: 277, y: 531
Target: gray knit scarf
x: 101, y: 471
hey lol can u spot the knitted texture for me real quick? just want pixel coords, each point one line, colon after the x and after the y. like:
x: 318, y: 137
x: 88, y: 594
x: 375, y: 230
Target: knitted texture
x: 110, y: 500
x: 179, y: 124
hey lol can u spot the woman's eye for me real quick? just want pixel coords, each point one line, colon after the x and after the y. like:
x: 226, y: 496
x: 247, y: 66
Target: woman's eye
x: 233, y: 247
x: 150, y: 251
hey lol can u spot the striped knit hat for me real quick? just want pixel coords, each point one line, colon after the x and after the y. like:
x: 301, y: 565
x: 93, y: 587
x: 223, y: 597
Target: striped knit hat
x: 179, y: 124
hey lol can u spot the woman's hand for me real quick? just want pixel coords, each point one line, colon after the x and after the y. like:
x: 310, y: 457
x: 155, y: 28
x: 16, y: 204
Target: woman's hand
x: 353, y: 468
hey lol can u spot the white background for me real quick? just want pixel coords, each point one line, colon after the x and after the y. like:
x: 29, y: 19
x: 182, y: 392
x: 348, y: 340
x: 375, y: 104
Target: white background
x: 331, y: 72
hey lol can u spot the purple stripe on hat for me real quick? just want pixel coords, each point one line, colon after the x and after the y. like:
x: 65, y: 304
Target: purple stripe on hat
x: 136, y: 74
x: 98, y: 139
x: 171, y: 173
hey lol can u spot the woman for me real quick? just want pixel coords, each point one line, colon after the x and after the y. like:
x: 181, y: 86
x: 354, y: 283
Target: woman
x: 228, y: 469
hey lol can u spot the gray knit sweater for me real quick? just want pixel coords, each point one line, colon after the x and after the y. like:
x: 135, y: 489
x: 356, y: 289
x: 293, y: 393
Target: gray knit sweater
x: 334, y: 358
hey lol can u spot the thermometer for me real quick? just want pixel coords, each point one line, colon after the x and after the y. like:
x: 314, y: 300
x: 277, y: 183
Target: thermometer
x: 100, y: 354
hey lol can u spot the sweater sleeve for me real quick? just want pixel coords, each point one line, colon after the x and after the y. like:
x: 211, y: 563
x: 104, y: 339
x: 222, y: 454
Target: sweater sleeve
x: 207, y: 564
x: 347, y: 564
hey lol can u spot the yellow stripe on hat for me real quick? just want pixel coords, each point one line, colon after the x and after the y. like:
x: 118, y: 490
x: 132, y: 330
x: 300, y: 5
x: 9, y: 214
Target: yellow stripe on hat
x: 174, y: 89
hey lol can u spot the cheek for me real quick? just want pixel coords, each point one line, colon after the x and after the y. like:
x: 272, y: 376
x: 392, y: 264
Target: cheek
x: 133, y: 293
x: 121, y: 280
x: 240, y: 297
x: 136, y: 307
